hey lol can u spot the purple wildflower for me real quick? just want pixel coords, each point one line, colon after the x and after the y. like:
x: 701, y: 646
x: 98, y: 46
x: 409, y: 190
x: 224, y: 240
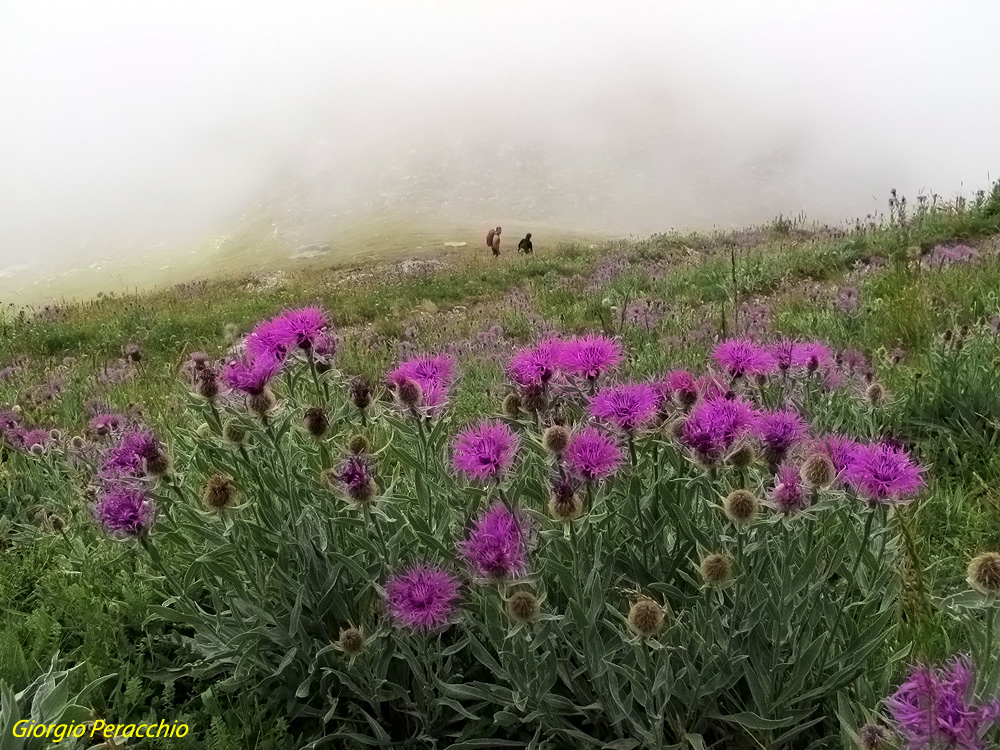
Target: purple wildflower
x: 779, y: 431
x: 495, y: 545
x: 422, y: 597
x: 39, y: 436
x: 105, y: 424
x: 935, y: 708
x: 742, y: 358
x: 125, y: 511
x: 839, y: 448
x: 485, y: 450
x: 252, y: 374
x: 593, y: 454
x: 884, y: 474
x: 591, y: 356
x: 789, y: 494
x: 813, y: 355
x: 132, y: 456
x: 434, y: 375
x: 627, y: 406
x: 538, y: 365
x: 356, y: 476
x: 715, y: 424
x: 683, y: 388
x: 275, y: 338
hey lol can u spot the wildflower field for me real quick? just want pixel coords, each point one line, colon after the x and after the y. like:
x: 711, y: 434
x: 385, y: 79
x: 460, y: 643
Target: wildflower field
x: 729, y: 491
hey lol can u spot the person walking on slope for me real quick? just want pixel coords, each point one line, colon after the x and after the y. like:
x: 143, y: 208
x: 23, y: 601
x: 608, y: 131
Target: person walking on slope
x: 524, y: 246
x: 493, y: 241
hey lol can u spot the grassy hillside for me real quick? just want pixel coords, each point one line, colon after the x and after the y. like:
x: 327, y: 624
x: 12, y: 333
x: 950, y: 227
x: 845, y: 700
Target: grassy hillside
x: 909, y: 302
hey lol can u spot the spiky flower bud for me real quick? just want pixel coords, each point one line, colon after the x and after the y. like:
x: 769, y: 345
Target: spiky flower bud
x: 54, y: 522
x: 219, y: 493
x: 409, y: 393
x: 361, y: 393
x: 77, y: 442
x: 207, y: 384
x: 351, y: 641
x: 359, y: 444
x: 316, y: 421
x: 818, y: 471
x: 204, y: 430
x: 875, y: 394
x: 564, y: 502
x: 157, y: 461
x: 742, y: 456
x: 555, y: 439
x: 535, y: 399
x: 645, y: 617
x: 133, y: 352
x: 234, y: 433
x: 522, y: 606
x: 261, y: 403
x: 37, y: 450
x: 717, y: 570
x: 984, y: 573
x: 55, y: 434
x: 512, y: 405
x: 740, y: 507
x: 676, y: 428
x: 874, y: 737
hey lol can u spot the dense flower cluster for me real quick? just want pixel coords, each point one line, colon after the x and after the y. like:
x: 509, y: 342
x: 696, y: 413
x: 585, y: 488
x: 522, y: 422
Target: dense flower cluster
x: 422, y: 597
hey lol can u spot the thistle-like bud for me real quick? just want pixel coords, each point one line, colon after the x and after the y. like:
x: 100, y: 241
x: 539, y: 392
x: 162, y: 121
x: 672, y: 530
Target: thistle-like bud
x: 219, y: 493
x: 409, y: 393
x: 535, y: 399
x: 359, y: 444
x: 234, y: 433
x: 818, y: 471
x: 207, y: 384
x: 361, y: 393
x: 874, y: 737
x: 54, y: 522
x: 555, y: 439
x: 262, y: 403
x: 204, y: 430
x: 36, y: 450
x: 741, y: 507
x: 717, y: 570
x: 743, y: 455
x: 685, y: 398
x: 645, y: 617
x: 984, y: 573
x: 133, y: 353
x: 564, y: 502
x: 55, y: 434
x: 316, y: 421
x: 522, y: 606
x: 875, y: 394
x: 676, y: 428
x: 512, y: 405
x: 157, y: 461
x: 77, y: 442
x: 351, y: 641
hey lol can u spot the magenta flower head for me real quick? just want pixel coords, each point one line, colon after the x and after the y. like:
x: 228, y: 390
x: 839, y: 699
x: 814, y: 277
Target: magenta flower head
x: 813, y: 355
x: 276, y: 338
x: 742, y: 358
x: 105, y: 424
x: 125, y: 512
x: 593, y: 455
x: 538, y: 365
x: 30, y: 438
x: 496, y: 544
x: 778, y: 431
x: 715, y: 424
x: 591, y: 357
x: 484, y: 451
x: 883, y: 473
x: 683, y: 388
x: 789, y: 494
x: 784, y: 354
x: 839, y: 448
x: 137, y: 453
x: 422, y: 597
x: 433, y: 374
x: 252, y: 373
x: 936, y: 708
x: 628, y: 406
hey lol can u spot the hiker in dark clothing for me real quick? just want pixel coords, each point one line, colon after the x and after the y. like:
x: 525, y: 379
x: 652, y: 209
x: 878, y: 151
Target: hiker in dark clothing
x: 493, y: 241
x: 524, y: 246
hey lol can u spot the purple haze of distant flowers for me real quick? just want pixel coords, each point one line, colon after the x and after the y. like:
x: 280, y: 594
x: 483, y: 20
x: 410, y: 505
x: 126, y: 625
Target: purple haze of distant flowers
x: 539, y: 364
x: 495, y: 545
x: 780, y: 430
x: 127, y: 458
x: 942, y: 255
x: 742, y: 358
x: 484, y: 451
x: 125, y: 511
x: 936, y: 708
x: 593, y: 455
x: 715, y: 424
x: 422, y: 597
x: 251, y: 374
x: 884, y: 474
x: 627, y: 406
x: 591, y: 356
x: 789, y: 495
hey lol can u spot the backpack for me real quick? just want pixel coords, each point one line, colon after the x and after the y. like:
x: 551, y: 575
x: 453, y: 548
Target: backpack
x: 489, y: 237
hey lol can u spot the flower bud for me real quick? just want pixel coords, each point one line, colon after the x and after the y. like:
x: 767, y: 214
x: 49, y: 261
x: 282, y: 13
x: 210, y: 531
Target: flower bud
x: 351, y: 641
x: 875, y: 394
x: 874, y: 737
x: 77, y: 442
x: 409, y: 393
x: 741, y: 507
x: 717, y: 570
x: 261, y: 403
x: 555, y: 439
x: 361, y: 393
x: 564, y: 502
x: 234, y: 433
x: 535, y: 399
x: 512, y: 405
x: 316, y: 421
x: 742, y: 456
x: 359, y: 444
x: 645, y: 618
x: 818, y: 471
x: 219, y: 493
x: 522, y: 606
x: 984, y: 573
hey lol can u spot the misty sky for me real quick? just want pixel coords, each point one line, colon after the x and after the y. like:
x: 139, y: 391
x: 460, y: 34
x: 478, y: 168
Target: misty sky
x: 129, y: 125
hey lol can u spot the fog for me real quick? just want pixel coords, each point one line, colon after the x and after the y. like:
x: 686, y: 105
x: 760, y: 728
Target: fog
x: 167, y: 134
